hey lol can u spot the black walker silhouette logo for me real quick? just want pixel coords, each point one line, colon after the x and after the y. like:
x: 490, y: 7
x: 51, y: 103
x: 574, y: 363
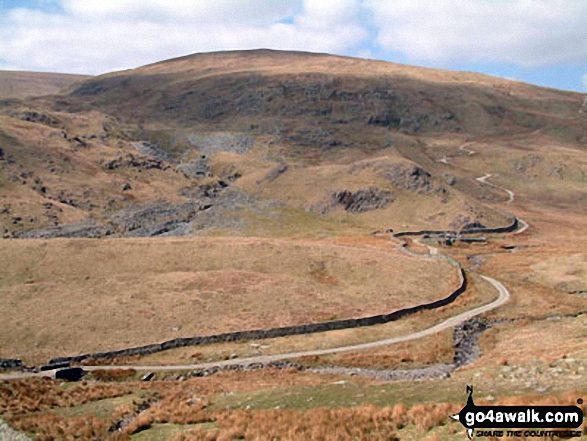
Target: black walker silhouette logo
x: 478, y: 419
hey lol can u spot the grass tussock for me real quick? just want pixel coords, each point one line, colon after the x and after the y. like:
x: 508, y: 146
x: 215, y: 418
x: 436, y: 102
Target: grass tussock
x: 175, y: 410
x: 566, y: 399
x: 40, y: 394
x: 359, y: 423
x: 428, y: 416
x: 51, y: 427
x: 113, y: 375
x: 318, y: 424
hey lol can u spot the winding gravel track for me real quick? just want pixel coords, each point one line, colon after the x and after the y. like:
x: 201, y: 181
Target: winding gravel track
x: 524, y: 228
x: 483, y: 179
x: 511, y: 195
x: 464, y: 148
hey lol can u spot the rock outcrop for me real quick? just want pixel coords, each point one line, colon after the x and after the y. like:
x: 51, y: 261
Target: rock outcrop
x: 362, y: 200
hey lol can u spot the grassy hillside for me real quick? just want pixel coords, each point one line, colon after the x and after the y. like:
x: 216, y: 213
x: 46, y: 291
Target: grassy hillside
x: 127, y: 292
x: 255, y: 138
x: 18, y: 84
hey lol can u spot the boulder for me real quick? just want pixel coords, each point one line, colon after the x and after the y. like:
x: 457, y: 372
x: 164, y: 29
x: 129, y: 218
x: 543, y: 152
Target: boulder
x: 70, y: 374
x: 9, y: 363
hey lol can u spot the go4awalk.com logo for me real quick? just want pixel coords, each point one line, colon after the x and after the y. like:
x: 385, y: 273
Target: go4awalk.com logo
x: 520, y: 421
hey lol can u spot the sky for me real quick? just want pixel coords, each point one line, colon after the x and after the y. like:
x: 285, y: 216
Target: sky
x: 543, y: 42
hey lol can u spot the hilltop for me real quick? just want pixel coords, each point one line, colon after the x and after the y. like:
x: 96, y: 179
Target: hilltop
x: 252, y: 142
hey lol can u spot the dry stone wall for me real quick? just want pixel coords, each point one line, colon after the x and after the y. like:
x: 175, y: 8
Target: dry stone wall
x: 513, y: 226
x: 262, y: 334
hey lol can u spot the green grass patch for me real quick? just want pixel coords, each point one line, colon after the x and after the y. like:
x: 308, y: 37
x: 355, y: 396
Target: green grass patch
x: 291, y: 222
x: 164, y: 432
x: 346, y: 392
x: 101, y: 409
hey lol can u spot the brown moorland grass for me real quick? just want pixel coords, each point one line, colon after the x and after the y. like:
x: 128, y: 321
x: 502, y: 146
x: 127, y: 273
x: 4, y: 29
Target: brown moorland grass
x: 119, y: 293
x: 358, y: 423
x: 548, y: 340
x: 51, y: 427
x: 478, y: 293
x: 176, y: 408
x: 545, y: 269
x: 113, y: 374
x: 228, y: 382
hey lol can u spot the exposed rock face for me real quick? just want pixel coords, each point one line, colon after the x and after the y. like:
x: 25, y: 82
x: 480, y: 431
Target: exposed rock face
x: 198, y: 168
x: 130, y: 160
x: 152, y: 150
x: 148, y: 220
x: 244, y: 97
x: 221, y: 142
x: 276, y: 171
x: 41, y: 118
x: 462, y: 222
x: 449, y: 179
x: 411, y: 178
x: 206, y: 206
x: 363, y: 200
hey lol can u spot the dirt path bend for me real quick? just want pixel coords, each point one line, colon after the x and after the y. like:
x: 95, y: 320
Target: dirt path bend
x: 511, y: 196
x: 483, y: 179
x: 502, y: 298
x: 524, y: 227
x: 464, y: 148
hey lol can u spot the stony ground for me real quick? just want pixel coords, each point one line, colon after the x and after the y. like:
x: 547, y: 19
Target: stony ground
x: 9, y: 434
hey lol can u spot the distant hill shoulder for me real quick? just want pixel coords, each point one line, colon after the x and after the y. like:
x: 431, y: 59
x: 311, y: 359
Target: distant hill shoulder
x: 17, y: 84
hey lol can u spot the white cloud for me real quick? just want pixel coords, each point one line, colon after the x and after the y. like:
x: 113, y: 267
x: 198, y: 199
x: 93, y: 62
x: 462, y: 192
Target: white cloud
x: 95, y: 37
x: 106, y: 35
x: 522, y: 32
x: 585, y: 81
x: 199, y: 11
